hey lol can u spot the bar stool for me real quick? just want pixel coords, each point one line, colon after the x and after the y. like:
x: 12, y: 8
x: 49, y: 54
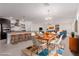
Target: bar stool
x: 19, y: 37
x: 23, y: 36
x: 29, y: 36
x: 14, y: 38
x: 26, y: 36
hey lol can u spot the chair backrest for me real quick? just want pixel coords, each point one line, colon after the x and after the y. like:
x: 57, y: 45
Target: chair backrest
x: 35, y: 42
x: 60, y: 39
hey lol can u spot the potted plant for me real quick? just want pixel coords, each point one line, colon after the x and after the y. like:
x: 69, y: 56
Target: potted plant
x: 72, y: 34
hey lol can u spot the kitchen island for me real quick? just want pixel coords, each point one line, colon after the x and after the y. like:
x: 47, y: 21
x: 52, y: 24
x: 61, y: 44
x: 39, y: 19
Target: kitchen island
x: 15, y: 37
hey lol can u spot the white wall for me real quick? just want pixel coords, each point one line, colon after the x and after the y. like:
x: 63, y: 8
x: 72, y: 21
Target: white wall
x: 77, y: 17
x: 31, y: 26
x: 68, y: 25
x: 43, y: 24
x: 28, y: 25
x: 35, y: 26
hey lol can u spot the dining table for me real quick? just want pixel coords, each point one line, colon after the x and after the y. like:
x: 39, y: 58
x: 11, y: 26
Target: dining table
x: 47, y: 38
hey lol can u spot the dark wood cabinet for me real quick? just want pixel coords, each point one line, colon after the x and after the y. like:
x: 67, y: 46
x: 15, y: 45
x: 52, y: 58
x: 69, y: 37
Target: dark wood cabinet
x: 73, y: 44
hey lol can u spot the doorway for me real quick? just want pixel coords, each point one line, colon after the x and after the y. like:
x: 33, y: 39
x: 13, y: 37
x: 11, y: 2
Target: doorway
x: 4, y: 28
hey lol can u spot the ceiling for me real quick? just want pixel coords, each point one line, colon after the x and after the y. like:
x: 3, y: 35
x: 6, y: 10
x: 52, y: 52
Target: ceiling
x: 37, y: 12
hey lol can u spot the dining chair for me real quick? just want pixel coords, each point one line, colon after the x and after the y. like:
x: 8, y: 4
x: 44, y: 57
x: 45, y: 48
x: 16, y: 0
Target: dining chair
x: 57, y: 41
x: 58, y: 45
x: 37, y: 43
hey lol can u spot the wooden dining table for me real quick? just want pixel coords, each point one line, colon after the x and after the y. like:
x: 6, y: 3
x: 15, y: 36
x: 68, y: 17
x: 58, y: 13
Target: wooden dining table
x: 47, y: 38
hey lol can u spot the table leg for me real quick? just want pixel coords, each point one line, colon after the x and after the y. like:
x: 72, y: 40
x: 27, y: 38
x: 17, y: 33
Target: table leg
x: 48, y: 46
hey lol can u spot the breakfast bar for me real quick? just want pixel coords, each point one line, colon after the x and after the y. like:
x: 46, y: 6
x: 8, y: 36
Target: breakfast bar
x: 15, y: 37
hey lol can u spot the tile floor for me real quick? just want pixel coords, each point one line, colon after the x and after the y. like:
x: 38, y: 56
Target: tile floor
x: 15, y: 49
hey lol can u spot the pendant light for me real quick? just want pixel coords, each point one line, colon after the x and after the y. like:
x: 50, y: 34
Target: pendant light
x: 48, y: 11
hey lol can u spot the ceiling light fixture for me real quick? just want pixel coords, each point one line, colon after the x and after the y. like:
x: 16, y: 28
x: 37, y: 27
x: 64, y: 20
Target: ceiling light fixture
x: 48, y: 12
x: 46, y: 4
x: 48, y: 17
